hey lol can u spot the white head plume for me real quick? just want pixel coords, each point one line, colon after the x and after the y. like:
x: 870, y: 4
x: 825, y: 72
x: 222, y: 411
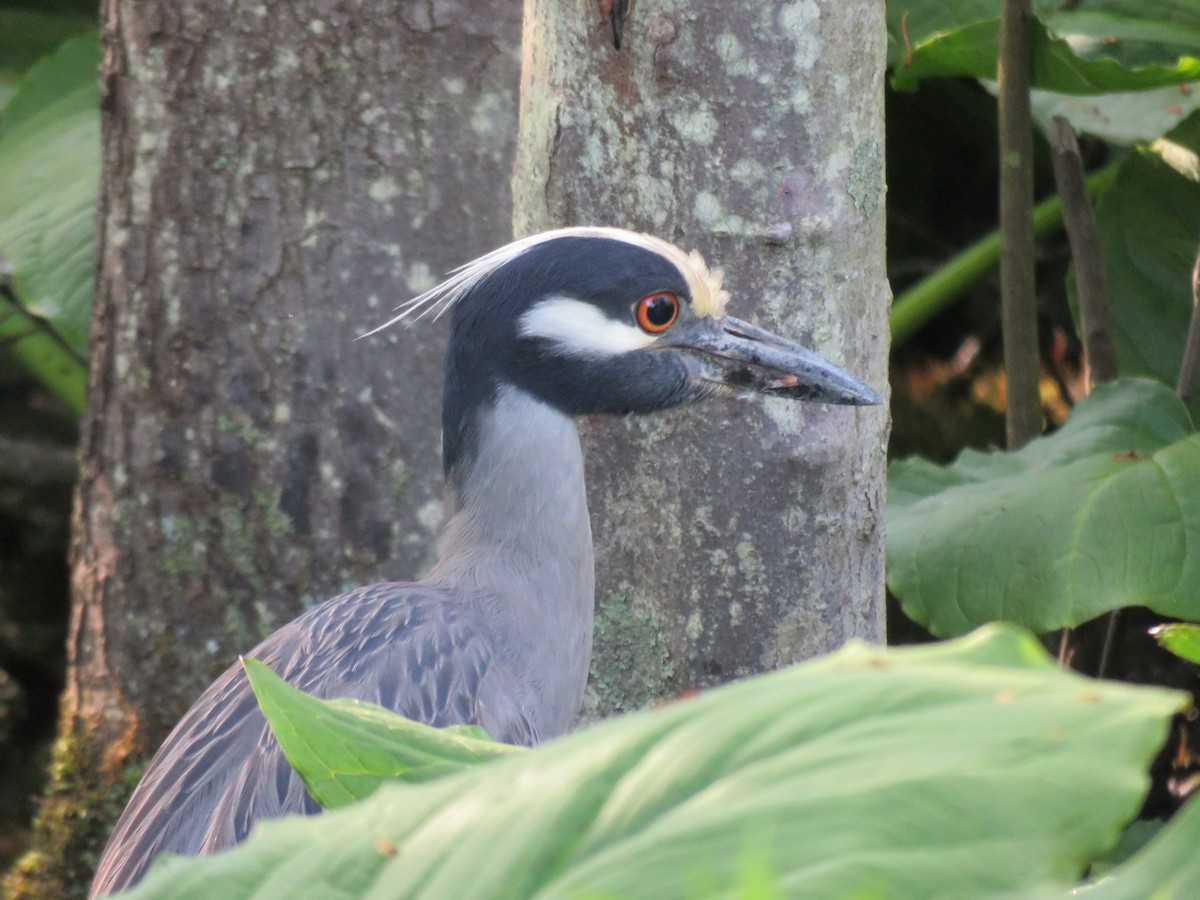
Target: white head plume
x: 708, y: 297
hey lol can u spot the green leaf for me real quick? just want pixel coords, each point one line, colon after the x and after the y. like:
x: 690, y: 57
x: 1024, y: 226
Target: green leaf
x: 1104, y: 513
x: 1167, y: 868
x: 1105, y: 40
x: 27, y: 35
x: 1132, y: 841
x: 343, y: 749
x: 973, y: 51
x: 921, y: 20
x: 49, y: 171
x: 1181, y: 639
x: 68, y: 75
x: 1133, y: 33
x: 1126, y: 118
x: 40, y: 349
x: 961, y: 769
x: 1149, y: 222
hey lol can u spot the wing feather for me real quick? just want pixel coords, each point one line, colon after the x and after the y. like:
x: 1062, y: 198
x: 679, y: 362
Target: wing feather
x: 402, y: 646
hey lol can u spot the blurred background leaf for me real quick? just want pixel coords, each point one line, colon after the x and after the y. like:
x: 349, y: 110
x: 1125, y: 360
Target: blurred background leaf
x: 1149, y: 225
x: 49, y: 167
x: 32, y: 29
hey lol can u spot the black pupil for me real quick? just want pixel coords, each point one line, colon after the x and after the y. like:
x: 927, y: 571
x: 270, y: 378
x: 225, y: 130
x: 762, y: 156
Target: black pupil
x: 660, y: 310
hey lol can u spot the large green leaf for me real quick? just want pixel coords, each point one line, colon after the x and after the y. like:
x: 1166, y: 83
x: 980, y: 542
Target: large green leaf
x: 1114, y: 68
x: 68, y: 74
x: 1149, y: 223
x: 1168, y: 868
x: 345, y: 748
x: 1103, y: 514
x: 1134, y: 33
x: 49, y: 169
x: 911, y: 23
x: 973, y: 49
x: 28, y: 34
x: 960, y: 769
x: 1129, y: 118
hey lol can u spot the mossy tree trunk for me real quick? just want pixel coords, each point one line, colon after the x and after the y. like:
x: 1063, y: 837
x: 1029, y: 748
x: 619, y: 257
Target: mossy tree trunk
x: 275, y: 179
x: 731, y: 538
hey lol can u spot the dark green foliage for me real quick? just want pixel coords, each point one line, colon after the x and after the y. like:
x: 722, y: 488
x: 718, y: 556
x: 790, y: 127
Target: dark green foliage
x: 1092, y: 518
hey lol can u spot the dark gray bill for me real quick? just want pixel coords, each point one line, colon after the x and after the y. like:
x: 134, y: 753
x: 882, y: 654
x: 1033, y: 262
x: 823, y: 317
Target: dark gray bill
x: 748, y: 358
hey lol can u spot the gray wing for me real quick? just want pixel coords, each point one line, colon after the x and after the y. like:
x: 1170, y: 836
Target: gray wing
x: 220, y: 770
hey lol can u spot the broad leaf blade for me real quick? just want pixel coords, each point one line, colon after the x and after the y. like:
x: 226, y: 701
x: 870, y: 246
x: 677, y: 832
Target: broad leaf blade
x: 972, y: 50
x: 1103, y: 514
x: 1149, y: 223
x: 343, y: 749
x: 1104, y: 48
x: 958, y: 770
x: 1182, y: 639
x: 57, y: 76
x: 27, y: 35
x: 49, y: 167
x: 1129, y: 118
x: 40, y: 349
x: 1168, y: 868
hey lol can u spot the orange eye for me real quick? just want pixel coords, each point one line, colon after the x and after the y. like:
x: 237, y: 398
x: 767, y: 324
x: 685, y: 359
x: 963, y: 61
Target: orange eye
x: 656, y: 312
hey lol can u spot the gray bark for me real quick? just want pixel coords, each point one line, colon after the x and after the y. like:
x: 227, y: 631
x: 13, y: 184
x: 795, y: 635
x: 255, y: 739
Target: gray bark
x: 276, y: 178
x: 730, y: 538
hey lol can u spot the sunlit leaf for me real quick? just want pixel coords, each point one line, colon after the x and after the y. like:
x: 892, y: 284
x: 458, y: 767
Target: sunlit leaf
x: 1181, y: 639
x: 1104, y: 513
x: 343, y: 749
x: 1125, y: 118
x: 962, y: 769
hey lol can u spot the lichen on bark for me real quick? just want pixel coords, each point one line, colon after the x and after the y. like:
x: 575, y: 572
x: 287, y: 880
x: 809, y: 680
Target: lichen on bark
x: 272, y: 186
x: 631, y: 660
x: 752, y: 531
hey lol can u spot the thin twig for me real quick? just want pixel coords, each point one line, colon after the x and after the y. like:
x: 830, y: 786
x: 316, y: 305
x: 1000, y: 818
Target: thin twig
x: 1018, y: 302
x: 1110, y: 632
x: 1091, y: 284
x: 1191, y: 350
x: 1064, y: 647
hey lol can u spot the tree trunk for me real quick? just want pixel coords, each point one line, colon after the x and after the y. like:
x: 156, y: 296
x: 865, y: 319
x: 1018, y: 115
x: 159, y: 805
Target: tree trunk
x: 275, y: 181
x: 730, y: 538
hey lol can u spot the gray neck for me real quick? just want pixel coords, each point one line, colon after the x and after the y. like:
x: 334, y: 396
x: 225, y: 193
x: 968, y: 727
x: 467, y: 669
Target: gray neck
x: 518, y: 546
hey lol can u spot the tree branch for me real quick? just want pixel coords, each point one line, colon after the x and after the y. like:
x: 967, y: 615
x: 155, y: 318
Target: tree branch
x: 1018, y: 305
x: 1191, y: 350
x: 1095, y: 316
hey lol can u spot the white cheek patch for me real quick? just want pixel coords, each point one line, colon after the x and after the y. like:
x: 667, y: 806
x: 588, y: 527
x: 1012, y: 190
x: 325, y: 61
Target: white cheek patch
x: 580, y: 329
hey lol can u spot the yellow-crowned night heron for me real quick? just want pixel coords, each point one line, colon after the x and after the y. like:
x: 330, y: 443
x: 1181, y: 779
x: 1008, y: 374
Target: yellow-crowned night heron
x: 572, y: 322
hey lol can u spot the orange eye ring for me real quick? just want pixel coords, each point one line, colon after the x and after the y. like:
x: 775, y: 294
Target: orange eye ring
x: 657, y: 312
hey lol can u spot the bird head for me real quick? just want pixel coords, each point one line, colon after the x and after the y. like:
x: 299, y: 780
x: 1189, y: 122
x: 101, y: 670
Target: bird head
x: 601, y: 320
